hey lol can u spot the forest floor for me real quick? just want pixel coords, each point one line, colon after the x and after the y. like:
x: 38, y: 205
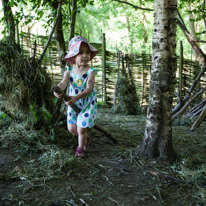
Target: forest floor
x: 37, y: 169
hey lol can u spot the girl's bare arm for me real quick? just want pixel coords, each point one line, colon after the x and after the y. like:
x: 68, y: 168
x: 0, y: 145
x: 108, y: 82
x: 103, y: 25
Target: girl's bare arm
x: 64, y: 82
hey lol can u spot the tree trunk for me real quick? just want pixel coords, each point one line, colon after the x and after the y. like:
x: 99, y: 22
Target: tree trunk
x: 129, y: 34
x: 192, y: 29
x: 8, y: 14
x: 157, y: 141
x: 59, y: 37
x: 73, y: 14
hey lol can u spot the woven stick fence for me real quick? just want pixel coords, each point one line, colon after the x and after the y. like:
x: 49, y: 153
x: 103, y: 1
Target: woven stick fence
x: 139, y: 66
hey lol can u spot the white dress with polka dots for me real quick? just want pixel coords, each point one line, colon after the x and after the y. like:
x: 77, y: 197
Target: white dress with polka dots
x: 87, y: 105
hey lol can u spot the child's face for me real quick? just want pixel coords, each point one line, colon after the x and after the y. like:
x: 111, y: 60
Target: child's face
x: 84, y: 55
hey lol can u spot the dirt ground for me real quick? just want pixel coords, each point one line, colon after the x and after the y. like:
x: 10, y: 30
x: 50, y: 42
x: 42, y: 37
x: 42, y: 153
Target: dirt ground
x: 43, y: 172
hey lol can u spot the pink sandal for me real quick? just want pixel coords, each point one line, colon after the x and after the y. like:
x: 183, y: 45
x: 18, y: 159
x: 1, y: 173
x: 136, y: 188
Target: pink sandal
x: 79, y: 152
x: 86, y: 146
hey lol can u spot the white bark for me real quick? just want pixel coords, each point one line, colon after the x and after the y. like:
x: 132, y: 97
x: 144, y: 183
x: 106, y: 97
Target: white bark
x: 157, y: 140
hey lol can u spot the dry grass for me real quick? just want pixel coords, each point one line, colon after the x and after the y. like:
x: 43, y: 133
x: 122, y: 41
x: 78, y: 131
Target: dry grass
x: 23, y: 84
x: 45, y: 161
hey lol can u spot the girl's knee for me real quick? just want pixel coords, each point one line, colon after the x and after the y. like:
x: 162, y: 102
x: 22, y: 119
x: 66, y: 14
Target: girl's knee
x: 73, y: 129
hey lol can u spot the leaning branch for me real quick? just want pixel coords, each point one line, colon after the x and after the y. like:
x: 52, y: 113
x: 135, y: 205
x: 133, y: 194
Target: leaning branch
x: 134, y: 6
x: 188, y: 103
x: 190, y: 39
x: 50, y: 36
x: 189, y: 92
x: 202, y: 56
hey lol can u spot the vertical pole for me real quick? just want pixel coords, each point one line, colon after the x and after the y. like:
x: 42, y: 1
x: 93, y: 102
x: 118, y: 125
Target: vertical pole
x: 180, y: 70
x: 117, y: 81
x: 143, y: 80
x: 22, y: 42
x: 104, y: 67
x: 17, y: 34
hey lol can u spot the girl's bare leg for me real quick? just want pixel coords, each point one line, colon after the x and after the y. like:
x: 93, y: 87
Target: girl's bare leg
x: 82, y: 136
x: 73, y: 129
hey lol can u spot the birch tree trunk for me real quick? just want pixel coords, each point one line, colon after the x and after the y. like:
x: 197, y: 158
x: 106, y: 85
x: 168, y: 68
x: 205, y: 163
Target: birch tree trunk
x: 157, y: 141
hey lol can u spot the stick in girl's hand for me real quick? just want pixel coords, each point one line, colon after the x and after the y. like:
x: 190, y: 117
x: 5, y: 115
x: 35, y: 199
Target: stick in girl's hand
x: 65, y: 98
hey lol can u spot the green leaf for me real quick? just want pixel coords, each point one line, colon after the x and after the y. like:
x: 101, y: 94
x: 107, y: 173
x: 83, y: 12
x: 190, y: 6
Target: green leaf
x: 40, y: 13
x: 11, y: 3
x: 52, y: 137
x: 22, y: 35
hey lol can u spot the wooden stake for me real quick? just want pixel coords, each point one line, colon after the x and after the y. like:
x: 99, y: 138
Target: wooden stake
x: 116, y: 84
x: 180, y: 71
x: 104, y: 67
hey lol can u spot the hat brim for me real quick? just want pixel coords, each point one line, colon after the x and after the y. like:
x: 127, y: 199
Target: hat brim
x: 69, y: 57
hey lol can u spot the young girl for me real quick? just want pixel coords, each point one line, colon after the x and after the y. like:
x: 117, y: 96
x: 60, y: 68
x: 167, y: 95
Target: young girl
x: 81, y: 90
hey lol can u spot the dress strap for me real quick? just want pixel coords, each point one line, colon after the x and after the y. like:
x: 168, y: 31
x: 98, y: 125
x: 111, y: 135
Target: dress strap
x: 92, y: 70
x: 68, y: 68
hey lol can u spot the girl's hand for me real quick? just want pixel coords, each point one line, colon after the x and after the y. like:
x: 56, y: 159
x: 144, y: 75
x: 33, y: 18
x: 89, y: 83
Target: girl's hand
x: 72, y: 101
x: 57, y: 95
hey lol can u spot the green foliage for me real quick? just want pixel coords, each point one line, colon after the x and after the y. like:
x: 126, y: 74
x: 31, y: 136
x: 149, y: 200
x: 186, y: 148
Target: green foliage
x: 97, y: 16
x: 3, y: 115
x: 4, y: 120
x: 41, y: 115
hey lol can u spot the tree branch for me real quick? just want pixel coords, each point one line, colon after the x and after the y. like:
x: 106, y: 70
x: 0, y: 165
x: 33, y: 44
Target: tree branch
x: 202, y: 56
x: 50, y: 36
x: 189, y: 37
x: 188, y: 103
x: 136, y: 7
x: 178, y: 106
x: 182, y: 25
x: 200, y: 41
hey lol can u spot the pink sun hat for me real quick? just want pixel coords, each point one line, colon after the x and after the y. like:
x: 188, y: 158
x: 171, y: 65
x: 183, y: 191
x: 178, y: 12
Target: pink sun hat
x: 74, y: 46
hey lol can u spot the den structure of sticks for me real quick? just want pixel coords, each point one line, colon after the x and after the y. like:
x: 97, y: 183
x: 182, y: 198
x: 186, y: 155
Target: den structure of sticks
x: 126, y: 100
x: 25, y: 86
